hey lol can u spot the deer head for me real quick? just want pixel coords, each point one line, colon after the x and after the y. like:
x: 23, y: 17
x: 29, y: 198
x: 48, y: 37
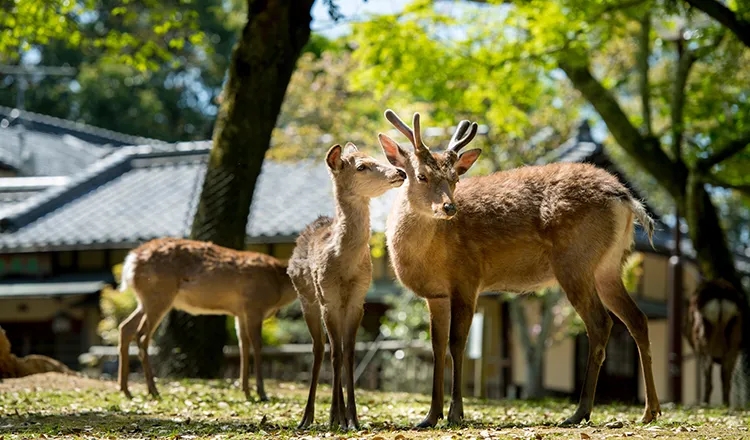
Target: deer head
x: 360, y: 174
x: 432, y: 176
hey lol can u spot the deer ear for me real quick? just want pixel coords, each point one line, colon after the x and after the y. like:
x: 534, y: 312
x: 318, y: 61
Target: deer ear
x: 333, y: 158
x: 393, y: 152
x: 466, y: 160
x: 350, y: 148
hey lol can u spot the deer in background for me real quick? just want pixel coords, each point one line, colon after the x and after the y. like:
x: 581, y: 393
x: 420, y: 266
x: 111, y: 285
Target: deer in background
x: 515, y: 231
x: 331, y: 270
x: 714, y: 329
x: 202, y: 279
x: 12, y: 366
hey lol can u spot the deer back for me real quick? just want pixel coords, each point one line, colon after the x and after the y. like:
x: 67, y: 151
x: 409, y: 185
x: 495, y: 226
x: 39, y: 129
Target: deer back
x: 507, y: 228
x: 207, y: 277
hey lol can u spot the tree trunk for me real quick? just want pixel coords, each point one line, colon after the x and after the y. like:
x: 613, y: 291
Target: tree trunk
x: 707, y: 235
x: 535, y: 362
x: 262, y: 64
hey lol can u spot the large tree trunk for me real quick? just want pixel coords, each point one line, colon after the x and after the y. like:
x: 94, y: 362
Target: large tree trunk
x: 707, y: 235
x: 262, y: 64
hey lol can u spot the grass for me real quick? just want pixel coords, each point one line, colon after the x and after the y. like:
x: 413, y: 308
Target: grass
x: 192, y: 409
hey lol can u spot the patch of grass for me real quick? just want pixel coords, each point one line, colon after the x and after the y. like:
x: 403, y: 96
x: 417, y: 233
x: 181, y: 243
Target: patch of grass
x: 192, y: 409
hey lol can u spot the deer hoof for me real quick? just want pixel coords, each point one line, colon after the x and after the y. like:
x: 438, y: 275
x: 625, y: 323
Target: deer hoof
x: 455, y: 418
x: 263, y: 398
x: 650, y: 415
x: 576, y: 419
x: 429, y: 421
x: 127, y: 393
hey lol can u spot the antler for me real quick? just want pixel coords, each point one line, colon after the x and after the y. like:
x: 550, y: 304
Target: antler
x: 415, y: 136
x: 459, y: 140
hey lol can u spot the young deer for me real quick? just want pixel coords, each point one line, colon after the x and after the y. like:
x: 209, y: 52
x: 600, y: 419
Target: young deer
x: 714, y: 329
x: 202, y: 279
x: 331, y: 270
x: 512, y: 231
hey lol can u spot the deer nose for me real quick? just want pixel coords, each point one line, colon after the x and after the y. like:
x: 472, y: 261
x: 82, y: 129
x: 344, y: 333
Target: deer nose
x: 449, y: 209
x: 401, y: 173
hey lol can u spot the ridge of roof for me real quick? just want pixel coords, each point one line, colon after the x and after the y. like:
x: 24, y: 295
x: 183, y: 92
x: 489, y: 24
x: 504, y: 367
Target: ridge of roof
x: 77, y: 127
x: 32, y: 183
x: 100, y: 172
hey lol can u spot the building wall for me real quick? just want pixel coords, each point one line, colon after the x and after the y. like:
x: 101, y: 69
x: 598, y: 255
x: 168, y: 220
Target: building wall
x: 560, y: 358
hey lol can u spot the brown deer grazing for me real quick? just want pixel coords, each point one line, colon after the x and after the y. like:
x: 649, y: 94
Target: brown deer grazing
x: 714, y: 329
x: 331, y: 270
x: 202, y: 279
x: 514, y: 231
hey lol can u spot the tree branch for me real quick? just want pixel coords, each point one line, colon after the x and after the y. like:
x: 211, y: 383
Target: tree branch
x: 725, y: 16
x: 646, y: 150
x: 714, y: 180
x: 685, y: 60
x: 730, y: 149
x: 644, y: 85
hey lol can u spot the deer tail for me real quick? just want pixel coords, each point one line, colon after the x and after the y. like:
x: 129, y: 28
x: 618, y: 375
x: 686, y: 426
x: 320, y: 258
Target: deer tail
x: 643, y: 218
x: 128, y: 271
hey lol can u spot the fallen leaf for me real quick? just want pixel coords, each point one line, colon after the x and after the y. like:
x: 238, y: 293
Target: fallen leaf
x: 614, y: 425
x: 585, y: 436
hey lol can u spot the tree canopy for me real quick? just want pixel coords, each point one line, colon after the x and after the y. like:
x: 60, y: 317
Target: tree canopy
x: 670, y: 83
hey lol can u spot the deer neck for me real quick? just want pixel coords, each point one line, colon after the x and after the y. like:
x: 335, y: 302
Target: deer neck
x: 406, y: 227
x: 351, y: 223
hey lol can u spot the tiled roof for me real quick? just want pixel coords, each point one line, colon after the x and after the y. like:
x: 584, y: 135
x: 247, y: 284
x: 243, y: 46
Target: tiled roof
x: 139, y: 193
x: 40, y: 145
x: 14, y: 190
x: 58, y: 126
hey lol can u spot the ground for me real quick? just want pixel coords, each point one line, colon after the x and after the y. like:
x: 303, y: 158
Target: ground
x: 56, y: 406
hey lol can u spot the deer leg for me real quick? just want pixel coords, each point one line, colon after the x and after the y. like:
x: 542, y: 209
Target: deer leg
x: 128, y: 328
x: 243, y: 337
x: 353, y: 320
x: 333, y: 326
x: 144, y: 332
x: 255, y: 329
x: 153, y: 315
x: 314, y: 324
x: 707, y: 367
x: 582, y: 295
x: 616, y: 298
x: 440, y: 317
x: 462, y: 314
x: 727, y: 368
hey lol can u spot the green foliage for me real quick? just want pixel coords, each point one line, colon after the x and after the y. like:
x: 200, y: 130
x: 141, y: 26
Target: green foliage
x: 172, y: 100
x: 138, y: 33
x: 115, y: 307
x: 632, y: 272
x: 407, y: 318
x: 455, y: 63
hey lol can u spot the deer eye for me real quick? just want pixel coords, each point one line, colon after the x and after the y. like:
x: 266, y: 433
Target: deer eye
x: 422, y: 178
x: 361, y: 167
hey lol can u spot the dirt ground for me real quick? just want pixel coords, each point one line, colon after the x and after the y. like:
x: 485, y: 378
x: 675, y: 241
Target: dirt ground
x: 55, y: 382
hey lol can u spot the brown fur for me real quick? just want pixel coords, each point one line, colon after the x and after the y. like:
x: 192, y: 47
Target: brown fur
x: 201, y: 278
x: 331, y: 270
x: 517, y: 231
x: 715, y: 320
x: 12, y: 366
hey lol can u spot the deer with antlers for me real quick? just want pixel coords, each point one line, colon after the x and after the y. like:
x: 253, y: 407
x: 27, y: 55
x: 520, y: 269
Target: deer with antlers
x: 202, y: 279
x: 331, y: 270
x: 514, y: 231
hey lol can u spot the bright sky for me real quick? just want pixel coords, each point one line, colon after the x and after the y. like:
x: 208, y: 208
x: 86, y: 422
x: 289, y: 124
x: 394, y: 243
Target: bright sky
x: 353, y: 10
